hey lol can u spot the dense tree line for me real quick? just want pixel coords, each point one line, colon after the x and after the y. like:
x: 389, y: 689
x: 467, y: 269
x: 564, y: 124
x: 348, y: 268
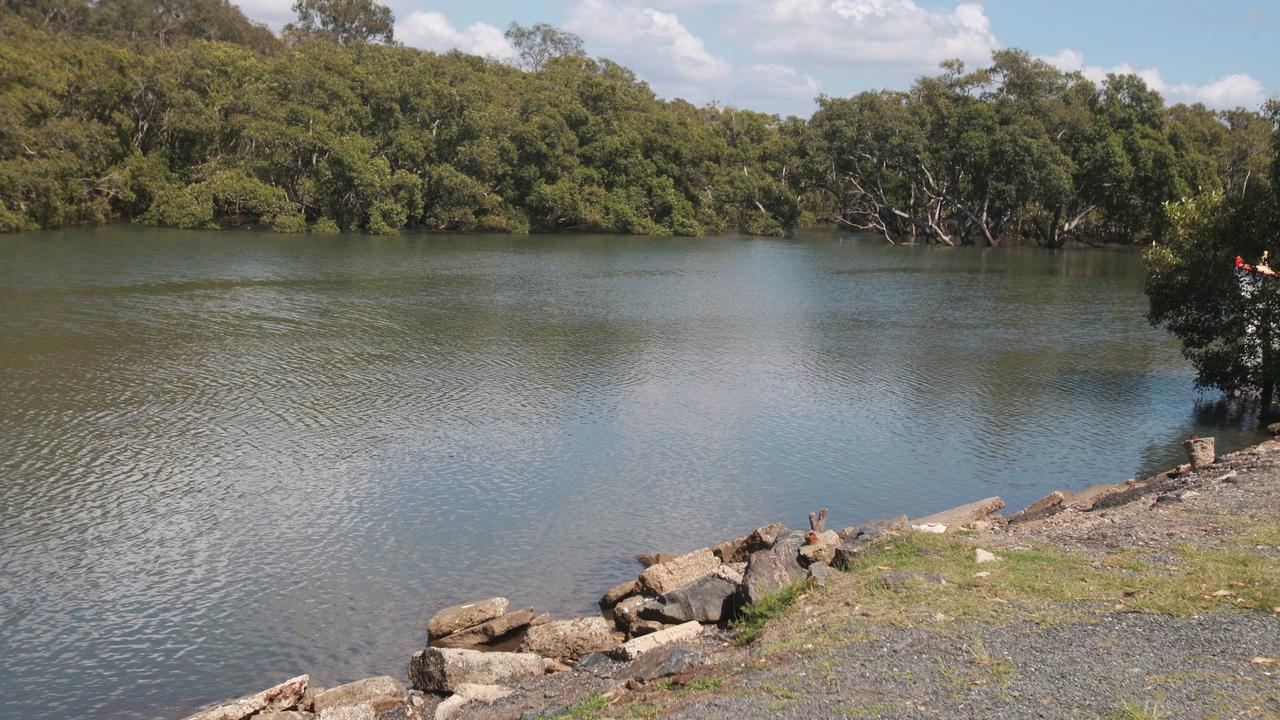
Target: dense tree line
x: 184, y: 113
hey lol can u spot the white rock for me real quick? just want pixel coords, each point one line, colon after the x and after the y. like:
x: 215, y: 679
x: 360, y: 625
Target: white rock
x: 929, y: 528
x: 440, y: 670
x: 675, y: 574
x: 460, y: 617
x: 362, y: 711
x: 449, y: 707
x: 482, y: 693
x: 636, y: 647
x: 285, y: 695
x: 982, y: 556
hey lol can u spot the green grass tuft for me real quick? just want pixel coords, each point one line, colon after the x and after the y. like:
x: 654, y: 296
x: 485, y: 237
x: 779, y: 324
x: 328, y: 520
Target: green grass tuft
x: 774, y: 605
x: 589, y: 707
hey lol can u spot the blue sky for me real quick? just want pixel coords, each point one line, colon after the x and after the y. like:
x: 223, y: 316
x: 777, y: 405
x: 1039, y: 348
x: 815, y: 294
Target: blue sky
x: 777, y: 55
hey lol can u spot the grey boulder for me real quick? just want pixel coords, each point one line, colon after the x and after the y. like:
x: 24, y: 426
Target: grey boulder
x: 710, y: 599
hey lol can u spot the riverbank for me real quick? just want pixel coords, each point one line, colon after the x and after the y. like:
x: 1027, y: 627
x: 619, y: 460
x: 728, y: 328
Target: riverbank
x: 1158, y: 598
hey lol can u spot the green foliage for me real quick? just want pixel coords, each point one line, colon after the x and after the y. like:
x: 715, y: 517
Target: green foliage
x: 325, y: 226
x: 1021, y: 150
x: 182, y: 112
x: 537, y: 44
x: 1228, y: 321
x: 589, y: 707
x: 342, y: 21
x: 773, y: 605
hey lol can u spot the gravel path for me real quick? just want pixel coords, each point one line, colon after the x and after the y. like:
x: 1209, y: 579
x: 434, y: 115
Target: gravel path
x: 1198, y: 668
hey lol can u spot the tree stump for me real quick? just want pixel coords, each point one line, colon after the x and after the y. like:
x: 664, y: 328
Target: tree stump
x: 818, y: 520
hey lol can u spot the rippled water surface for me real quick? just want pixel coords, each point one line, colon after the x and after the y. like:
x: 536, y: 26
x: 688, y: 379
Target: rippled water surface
x: 226, y: 458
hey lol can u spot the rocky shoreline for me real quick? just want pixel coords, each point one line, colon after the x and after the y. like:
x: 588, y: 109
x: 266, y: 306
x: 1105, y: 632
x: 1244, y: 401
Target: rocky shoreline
x: 677, y: 612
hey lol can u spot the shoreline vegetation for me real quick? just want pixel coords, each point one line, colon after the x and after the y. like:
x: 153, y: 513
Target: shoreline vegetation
x: 765, y: 624
x: 187, y: 114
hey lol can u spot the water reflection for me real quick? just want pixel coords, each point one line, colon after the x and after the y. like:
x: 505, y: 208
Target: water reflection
x: 227, y: 458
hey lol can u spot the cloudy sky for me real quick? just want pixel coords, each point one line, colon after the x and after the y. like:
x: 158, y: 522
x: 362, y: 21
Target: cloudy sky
x: 777, y: 55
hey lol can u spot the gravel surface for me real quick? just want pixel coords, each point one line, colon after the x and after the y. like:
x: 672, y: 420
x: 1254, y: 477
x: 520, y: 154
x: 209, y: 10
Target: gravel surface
x: 1198, y: 668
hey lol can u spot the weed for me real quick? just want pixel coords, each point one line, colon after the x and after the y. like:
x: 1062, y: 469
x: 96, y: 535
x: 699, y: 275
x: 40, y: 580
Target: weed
x: 773, y: 605
x: 1132, y: 710
x: 589, y: 707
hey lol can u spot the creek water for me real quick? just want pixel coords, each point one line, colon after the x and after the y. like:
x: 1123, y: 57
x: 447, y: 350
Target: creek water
x: 228, y: 458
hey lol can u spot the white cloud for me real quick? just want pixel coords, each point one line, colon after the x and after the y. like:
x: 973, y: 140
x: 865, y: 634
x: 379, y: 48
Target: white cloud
x: 873, y: 35
x: 774, y: 88
x: 676, y: 62
x: 1228, y: 91
x: 432, y: 31
x: 652, y: 42
x: 272, y: 12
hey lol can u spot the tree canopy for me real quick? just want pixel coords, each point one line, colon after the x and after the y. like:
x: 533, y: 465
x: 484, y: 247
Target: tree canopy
x: 185, y: 113
x: 1227, y: 319
x: 537, y: 44
x: 342, y: 21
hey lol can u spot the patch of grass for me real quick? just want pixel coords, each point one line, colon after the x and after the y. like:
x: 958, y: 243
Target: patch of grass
x: 773, y: 605
x: 1045, y: 584
x: 707, y: 683
x: 1133, y: 710
x: 642, y: 710
x: 779, y: 691
x: 998, y: 670
x: 1264, y: 532
x: 589, y: 707
x: 1211, y: 579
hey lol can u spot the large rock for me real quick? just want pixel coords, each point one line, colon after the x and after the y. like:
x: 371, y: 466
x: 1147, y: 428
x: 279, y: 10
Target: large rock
x: 460, y: 617
x: 441, y: 670
x: 731, y: 571
x: 627, y: 613
x: 482, y: 693
x: 278, y: 697
x: 569, y: 640
x: 618, y: 593
x: 381, y: 693
x: 679, y: 572
x: 487, y: 632
x: 763, y: 538
x: 819, y: 573
x: 881, y: 527
x: 636, y: 647
x: 1048, y: 505
x: 708, y: 599
x: 662, y: 662
x: 348, y: 712
x: 284, y: 715
x: 1200, y: 451
x: 650, y: 559
x: 769, y: 570
x: 732, y: 551
x: 848, y: 551
x: 958, y: 517
x: 822, y: 549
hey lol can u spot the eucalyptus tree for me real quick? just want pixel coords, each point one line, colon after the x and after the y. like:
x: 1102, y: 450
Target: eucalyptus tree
x: 343, y: 21
x: 535, y: 45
